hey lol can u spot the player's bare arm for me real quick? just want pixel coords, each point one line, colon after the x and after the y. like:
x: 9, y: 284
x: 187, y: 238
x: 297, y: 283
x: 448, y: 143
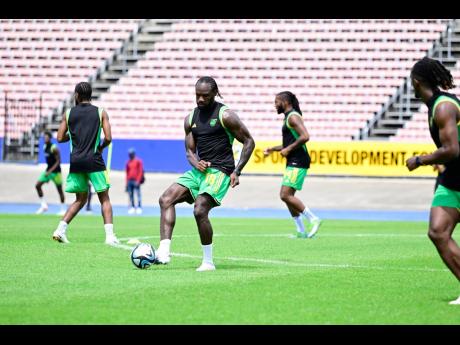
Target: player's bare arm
x: 190, y: 148
x: 233, y: 123
x: 57, y: 156
x: 446, y: 119
x: 62, y: 134
x: 269, y: 150
x: 106, y: 128
x: 296, y: 122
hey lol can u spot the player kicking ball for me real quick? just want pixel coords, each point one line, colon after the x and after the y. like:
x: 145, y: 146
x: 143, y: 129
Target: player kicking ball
x: 209, y: 132
x: 295, y: 135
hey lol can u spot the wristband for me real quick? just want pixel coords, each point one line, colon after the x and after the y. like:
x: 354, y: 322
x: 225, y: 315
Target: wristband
x: 418, y: 161
x: 237, y: 172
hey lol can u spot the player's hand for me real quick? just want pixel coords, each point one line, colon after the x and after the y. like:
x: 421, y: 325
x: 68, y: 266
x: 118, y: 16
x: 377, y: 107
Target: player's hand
x: 99, y: 149
x: 267, y: 151
x: 439, y: 168
x: 47, y: 173
x: 234, y: 180
x: 411, y: 163
x: 285, y: 152
x: 203, y: 165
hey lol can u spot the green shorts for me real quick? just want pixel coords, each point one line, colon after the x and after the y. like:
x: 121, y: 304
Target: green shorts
x: 55, y: 177
x: 294, y: 177
x: 213, y: 182
x: 446, y: 197
x: 78, y: 182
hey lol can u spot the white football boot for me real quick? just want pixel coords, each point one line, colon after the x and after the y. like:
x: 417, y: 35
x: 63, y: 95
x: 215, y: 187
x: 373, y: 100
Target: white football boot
x: 138, y: 210
x: 111, y: 240
x: 60, y: 237
x: 206, y: 266
x: 162, y: 258
x: 316, y: 223
x: 456, y: 302
x: 131, y: 210
x: 43, y: 208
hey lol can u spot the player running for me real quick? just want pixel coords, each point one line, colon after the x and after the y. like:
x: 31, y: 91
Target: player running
x: 427, y: 77
x: 52, y: 173
x: 82, y: 125
x: 295, y: 135
x: 209, y: 132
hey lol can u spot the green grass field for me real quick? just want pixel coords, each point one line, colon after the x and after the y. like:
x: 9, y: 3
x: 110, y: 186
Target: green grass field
x: 354, y: 272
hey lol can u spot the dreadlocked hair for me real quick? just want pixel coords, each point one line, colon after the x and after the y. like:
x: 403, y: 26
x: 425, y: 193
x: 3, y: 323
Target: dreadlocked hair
x: 84, y: 90
x: 433, y: 73
x: 212, y: 82
x: 292, y: 99
x: 48, y: 133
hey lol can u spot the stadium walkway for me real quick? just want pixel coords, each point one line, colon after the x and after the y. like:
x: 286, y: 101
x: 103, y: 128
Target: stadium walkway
x: 257, y: 196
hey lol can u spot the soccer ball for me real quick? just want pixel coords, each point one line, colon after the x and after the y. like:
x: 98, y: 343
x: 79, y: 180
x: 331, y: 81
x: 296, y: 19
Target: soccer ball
x: 143, y: 255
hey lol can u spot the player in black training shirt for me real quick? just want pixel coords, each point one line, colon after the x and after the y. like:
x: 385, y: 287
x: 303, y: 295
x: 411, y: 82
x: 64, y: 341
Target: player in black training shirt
x: 52, y: 173
x: 428, y: 76
x: 294, y: 148
x: 209, y: 133
x: 82, y: 125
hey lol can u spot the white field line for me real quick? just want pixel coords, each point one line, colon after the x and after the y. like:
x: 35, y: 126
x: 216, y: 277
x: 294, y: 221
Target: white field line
x: 285, y: 235
x: 299, y: 264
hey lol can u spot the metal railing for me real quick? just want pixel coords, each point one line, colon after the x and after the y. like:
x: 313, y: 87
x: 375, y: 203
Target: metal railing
x: 102, y: 69
x: 19, y: 113
x: 405, y: 89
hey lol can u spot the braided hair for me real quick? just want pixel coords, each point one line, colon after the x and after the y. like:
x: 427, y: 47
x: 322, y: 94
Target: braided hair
x: 292, y: 99
x: 84, y: 91
x: 433, y: 73
x: 212, y: 82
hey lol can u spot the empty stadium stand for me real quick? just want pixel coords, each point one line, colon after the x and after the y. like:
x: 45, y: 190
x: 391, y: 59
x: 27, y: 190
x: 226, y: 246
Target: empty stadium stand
x: 416, y: 130
x: 342, y: 71
x: 41, y: 60
x: 50, y: 56
x: 395, y: 120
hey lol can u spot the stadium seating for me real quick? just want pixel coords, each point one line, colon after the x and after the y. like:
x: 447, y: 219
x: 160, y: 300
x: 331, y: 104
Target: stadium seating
x: 342, y: 71
x: 49, y: 56
x: 416, y: 130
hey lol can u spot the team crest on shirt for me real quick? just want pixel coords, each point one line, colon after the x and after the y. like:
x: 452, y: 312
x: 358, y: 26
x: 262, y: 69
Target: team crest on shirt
x: 213, y: 122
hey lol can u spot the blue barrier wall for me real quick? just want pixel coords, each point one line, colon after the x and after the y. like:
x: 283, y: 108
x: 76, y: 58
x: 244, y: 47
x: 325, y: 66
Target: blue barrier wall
x: 157, y: 155
x: 1, y: 149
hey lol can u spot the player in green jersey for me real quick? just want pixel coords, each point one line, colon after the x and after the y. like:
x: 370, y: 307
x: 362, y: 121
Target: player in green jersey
x: 210, y: 129
x: 428, y: 76
x: 294, y: 148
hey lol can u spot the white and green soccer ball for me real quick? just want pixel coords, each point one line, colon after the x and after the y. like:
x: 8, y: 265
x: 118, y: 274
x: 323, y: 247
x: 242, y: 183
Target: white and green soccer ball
x: 143, y: 255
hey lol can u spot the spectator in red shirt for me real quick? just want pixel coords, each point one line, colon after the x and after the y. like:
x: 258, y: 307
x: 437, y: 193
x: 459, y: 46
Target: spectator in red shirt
x: 134, y: 176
